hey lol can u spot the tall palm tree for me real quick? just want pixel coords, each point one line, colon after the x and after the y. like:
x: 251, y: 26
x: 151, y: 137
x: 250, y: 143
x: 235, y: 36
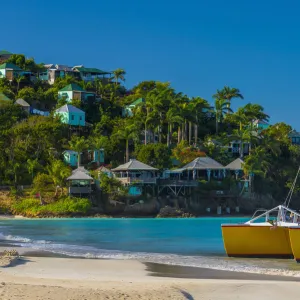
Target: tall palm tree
x: 119, y: 74
x: 255, y: 112
x: 78, y: 144
x: 222, y: 106
x: 172, y: 117
x: 127, y: 133
x: 240, y: 117
x: 244, y: 136
x: 198, y: 105
x: 228, y: 94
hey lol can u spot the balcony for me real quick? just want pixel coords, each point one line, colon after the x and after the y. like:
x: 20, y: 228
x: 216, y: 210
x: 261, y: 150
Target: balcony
x: 129, y: 180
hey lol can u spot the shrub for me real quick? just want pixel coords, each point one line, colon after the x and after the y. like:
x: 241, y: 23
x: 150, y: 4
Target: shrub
x: 62, y: 207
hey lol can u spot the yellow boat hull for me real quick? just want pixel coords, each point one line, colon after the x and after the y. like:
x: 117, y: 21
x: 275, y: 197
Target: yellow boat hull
x: 295, y: 242
x: 257, y: 241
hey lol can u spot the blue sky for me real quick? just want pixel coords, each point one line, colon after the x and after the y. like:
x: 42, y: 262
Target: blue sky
x: 198, y: 46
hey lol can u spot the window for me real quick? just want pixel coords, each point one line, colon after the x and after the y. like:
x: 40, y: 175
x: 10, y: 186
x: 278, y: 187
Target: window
x: 72, y: 117
x: 80, y: 118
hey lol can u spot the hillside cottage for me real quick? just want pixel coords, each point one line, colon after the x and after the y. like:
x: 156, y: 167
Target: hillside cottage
x: 4, y: 55
x: 10, y: 71
x: 71, y: 157
x: 90, y: 74
x: 128, y: 109
x: 75, y: 92
x: 71, y: 115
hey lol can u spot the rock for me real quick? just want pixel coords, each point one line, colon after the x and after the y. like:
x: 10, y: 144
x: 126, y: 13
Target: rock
x: 171, y: 212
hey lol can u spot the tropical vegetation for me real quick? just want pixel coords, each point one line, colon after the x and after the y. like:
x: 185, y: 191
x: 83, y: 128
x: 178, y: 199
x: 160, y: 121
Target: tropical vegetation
x: 166, y: 126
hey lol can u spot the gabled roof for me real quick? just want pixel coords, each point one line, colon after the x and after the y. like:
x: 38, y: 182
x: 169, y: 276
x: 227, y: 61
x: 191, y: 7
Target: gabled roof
x: 91, y: 70
x: 4, y: 52
x: 22, y: 102
x: 63, y: 68
x: 70, y: 108
x: 134, y: 165
x: 235, y: 165
x: 260, y: 122
x: 3, y: 97
x: 136, y: 102
x: 81, y: 169
x: 50, y: 66
x: 203, y: 163
x: 72, y: 87
x: 294, y: 133
x: 103, y: 169
x: 79, y: 175
x: 10, y: 66
x: 71, y: 152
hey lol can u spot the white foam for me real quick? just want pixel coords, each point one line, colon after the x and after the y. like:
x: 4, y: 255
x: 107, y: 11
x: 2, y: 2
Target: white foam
x: 210, y: 262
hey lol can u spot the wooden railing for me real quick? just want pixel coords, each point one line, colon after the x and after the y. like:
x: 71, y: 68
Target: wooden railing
x: 178, y: 182
x: 129, y: 180
x: 79, y: 190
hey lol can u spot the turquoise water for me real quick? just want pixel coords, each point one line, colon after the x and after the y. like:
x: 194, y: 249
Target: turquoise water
x: 190, y: 242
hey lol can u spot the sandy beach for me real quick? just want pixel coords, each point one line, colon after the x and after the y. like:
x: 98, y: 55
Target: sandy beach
x: 33, y: 277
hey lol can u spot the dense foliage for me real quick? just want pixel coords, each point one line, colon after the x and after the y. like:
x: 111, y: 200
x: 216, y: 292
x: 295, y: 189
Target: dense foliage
x: 165, y: 126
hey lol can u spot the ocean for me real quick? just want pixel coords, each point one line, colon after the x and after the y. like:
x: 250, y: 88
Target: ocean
x: 194, y: 242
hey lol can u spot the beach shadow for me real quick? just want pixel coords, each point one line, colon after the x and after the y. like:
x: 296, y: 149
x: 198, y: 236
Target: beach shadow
x: 17, y: 262
x: 187, y: 295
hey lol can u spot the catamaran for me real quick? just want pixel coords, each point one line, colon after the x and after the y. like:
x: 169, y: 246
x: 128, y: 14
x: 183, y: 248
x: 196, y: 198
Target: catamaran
x: 273, y: 233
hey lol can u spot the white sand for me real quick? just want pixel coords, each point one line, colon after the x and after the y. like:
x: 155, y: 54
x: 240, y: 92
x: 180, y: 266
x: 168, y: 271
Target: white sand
x: 80, y: 279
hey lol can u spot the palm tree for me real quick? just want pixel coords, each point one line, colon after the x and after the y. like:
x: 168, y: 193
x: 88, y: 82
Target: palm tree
x: 172, y: 117
x: 78, y: 144
x: 127, y: 133
x: 58, y: 172
x: 18, y: 80
x: 244, y: 136
x: 119, y: 74
x: 198, y: 105
x: 254, y: 112
x: 32, y: 164
x: 228, y: 94
x: 256, y: 164
x: 222, y: 106
x: 240, y: 117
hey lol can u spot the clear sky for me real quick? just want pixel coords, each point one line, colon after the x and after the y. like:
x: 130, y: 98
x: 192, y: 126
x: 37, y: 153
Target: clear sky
x: 199, y: 46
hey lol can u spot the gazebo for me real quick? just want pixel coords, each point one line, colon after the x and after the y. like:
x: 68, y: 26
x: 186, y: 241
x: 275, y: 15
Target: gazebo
x: 80, y: 182
x: 135, y: 171
x: 204, y: 166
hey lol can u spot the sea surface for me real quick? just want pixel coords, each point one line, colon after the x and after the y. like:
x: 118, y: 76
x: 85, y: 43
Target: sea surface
x: 195, y: 242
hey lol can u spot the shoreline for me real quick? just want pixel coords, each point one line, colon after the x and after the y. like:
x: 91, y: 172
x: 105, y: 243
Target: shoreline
x: 50, y: 278
x: 18, y: 217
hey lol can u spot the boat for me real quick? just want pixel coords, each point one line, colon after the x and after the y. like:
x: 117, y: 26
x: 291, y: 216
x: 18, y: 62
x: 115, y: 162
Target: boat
x: 271, y: 233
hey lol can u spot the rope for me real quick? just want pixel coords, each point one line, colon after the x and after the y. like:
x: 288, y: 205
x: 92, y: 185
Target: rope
x: 289, y: 196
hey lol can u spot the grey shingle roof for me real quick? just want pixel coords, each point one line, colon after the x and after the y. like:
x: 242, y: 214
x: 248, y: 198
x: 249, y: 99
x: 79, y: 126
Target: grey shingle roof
x: 22, y: 102
x: 81, y: 169
x: 203, y: 163
x: 134, y: 165
x: 69, y: 108
x: 235, y: 165
x: 79, y: 175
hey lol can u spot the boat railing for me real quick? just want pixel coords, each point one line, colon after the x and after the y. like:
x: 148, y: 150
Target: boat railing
x: 281, y: 214
x: 258, y: 211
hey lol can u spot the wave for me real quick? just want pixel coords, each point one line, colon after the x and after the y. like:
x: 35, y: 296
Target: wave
x: 257, y: 266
